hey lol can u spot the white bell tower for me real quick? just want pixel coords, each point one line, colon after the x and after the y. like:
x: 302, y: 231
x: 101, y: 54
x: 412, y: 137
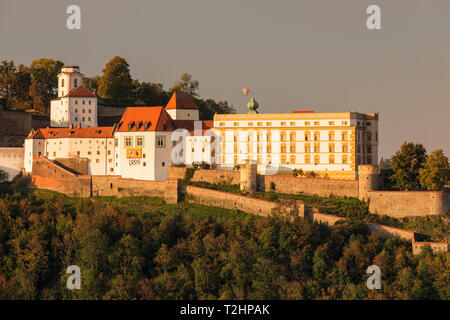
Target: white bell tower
x: 69, y: 78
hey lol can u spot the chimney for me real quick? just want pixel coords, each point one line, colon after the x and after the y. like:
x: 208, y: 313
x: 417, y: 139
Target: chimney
x: 79, y: 125
x: 71, y: 125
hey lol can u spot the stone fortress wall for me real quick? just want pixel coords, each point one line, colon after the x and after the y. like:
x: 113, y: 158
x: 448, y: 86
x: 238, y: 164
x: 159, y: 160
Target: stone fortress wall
x: 391, y: 203
x: 49, y: 175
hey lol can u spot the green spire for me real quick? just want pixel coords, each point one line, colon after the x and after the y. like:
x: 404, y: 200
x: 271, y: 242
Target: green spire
x: 252, y: 105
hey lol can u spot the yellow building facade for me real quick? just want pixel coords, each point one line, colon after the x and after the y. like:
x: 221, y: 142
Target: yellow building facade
x: 328, y: 144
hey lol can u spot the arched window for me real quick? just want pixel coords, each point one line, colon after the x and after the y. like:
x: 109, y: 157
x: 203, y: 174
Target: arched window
x: 316, y: 148
x: 331, y: 158
x: 344, y: 147
x: 331, y: 147
x: 344, y: 159
x: 292, y: 148
x: 316, y: 159
x: 292, y: 136
x: 307, y: 148
x: 307, y: 159
x: 316, y: 136
x: 292, y: 159
x: 344, y: 136
x: 307, y: 136
x: 331, y: 135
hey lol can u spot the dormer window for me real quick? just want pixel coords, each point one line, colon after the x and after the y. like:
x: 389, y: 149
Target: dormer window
x: 147, y: 125
x: 75, y: 83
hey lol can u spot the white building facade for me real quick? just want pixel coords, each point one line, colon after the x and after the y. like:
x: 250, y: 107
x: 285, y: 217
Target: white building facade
x: 148, y: 140
x: 75, y: 104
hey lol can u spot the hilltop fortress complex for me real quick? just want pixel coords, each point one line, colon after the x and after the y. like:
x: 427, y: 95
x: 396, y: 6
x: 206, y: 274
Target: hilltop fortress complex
x: 149, y: 151
x: 147, y: 140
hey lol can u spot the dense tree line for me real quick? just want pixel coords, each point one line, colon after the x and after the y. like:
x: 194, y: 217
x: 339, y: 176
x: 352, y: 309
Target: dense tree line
x: 33, y: 87
x: 157, y: 253
x: 413, y: 169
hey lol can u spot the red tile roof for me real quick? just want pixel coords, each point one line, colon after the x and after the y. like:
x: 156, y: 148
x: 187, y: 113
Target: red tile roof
x: 80, y: 91
x: 181, y: 100
x: 146, y: 119
x: 58, y: 133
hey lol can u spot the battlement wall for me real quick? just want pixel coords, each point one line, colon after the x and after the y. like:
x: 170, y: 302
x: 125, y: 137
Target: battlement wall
x: 229, y: 201
x: 211, y: 175
x: 309, y: 186
x: 408, y: 203
x: 50, y: 176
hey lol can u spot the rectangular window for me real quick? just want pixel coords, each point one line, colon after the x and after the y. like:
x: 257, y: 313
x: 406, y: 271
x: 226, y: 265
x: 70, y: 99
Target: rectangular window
x: 128, y: 142
x: 139, y: 141
x: 344, y: 149
x: 160, y: 141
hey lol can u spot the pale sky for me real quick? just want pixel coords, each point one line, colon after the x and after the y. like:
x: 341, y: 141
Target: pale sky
x: 300, y: 54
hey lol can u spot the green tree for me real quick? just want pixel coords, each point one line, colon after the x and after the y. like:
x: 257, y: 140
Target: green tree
x: 209, y: 107
x: 21, y: 87
x: 7, y: 71
x: 116, y: 82
x: 436, y: 172
x: 186, y: 84
x: 91, y: 83
x: 152, y: 94
x: 44, y: 82
x: 406, y: 165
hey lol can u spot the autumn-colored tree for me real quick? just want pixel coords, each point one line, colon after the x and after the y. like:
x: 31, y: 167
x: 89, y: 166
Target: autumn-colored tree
x: 435, y: 173
x: 116, y: 82
x: 44, y: 82
x: 15, y: 84
x: 186, y: 84
x: 406, y: 165
x: 149, y: 93
x: 92, y: 83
